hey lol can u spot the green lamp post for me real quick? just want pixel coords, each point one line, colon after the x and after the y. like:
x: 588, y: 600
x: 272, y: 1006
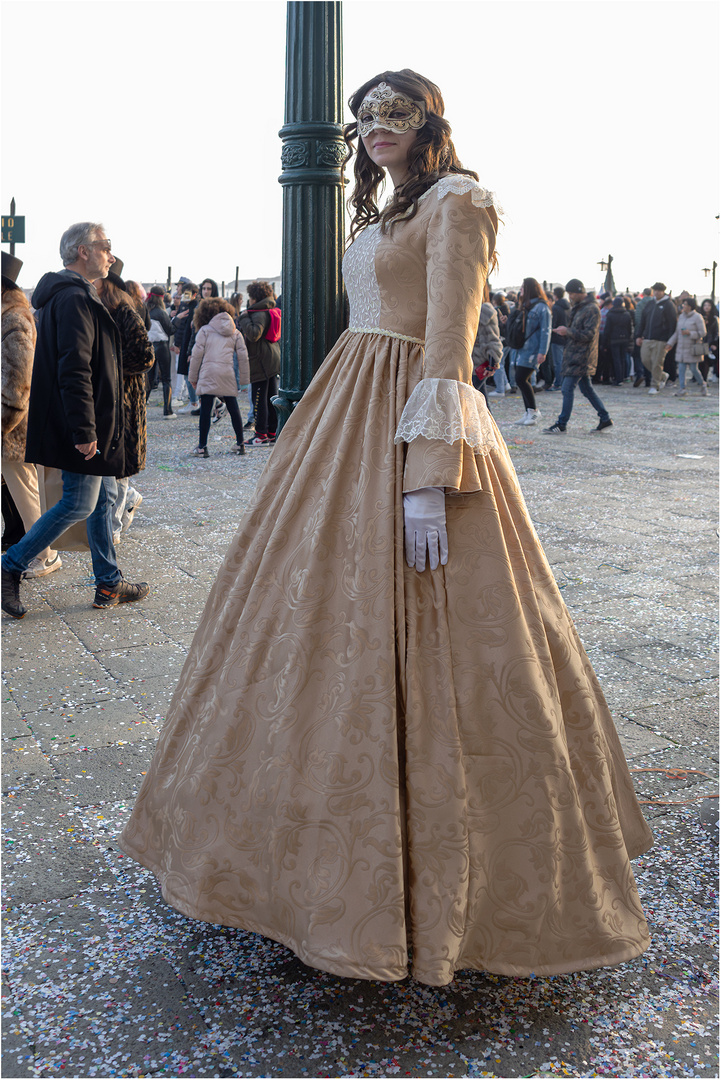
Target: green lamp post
x: 312, y: 156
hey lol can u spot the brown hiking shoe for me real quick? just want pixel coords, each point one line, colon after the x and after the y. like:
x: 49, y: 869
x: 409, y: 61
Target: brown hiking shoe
x: 122, y: 592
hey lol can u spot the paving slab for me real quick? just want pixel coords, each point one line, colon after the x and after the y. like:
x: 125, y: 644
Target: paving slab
x: 23, y: 760
x: 107, y: 723
x: 107, y: 773
x: 46, y: 852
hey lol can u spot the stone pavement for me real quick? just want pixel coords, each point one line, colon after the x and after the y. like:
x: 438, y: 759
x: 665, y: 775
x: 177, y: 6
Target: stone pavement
x: 101, y: 978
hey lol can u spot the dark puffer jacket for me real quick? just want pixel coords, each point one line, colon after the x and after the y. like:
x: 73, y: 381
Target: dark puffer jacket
x: 138, y: 357
x: 263, y: 355
x: 580, y: 356
x: 658, y: 321
x: 619, y: 328
x: 76, y: 394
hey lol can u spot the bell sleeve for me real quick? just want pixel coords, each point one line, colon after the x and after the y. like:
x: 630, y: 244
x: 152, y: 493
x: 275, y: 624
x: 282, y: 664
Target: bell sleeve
x: 445, y: 422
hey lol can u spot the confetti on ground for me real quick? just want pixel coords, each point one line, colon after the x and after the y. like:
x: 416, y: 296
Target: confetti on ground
x: 102, y: 978
x: 113, y: 982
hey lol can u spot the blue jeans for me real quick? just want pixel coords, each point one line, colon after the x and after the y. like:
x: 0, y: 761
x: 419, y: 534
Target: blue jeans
x: 639, y: 371
x: 512, y: 367
x: 90, y: 497
x: 557, y: 357
x: 568, y: 386
x: 693, y: 370
x: 192, y: 396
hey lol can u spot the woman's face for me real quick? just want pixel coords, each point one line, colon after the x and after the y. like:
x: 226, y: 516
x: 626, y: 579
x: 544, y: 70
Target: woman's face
x: 686, y: 307
x: 707, y: 307
x: 389, y: 149
x: 207, y: 289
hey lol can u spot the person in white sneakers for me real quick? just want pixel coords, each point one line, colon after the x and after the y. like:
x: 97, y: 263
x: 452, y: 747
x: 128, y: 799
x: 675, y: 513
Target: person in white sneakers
x: 658, y: 323
x: 688, y: 339
x: 536, y: 309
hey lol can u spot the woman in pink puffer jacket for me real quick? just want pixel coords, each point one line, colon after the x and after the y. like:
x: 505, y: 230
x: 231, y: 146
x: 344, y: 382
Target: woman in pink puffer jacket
x: 211, y: 371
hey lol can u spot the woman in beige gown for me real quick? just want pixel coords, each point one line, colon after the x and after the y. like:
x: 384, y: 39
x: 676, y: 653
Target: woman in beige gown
x: 366, y: 760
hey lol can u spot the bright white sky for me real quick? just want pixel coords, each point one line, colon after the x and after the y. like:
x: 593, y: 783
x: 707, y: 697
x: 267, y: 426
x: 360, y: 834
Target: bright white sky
x: 594, y: 122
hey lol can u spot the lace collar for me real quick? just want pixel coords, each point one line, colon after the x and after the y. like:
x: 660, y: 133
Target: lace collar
x: 459, y: 184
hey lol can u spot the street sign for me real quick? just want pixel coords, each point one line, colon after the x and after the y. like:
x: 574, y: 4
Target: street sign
x: 13, y: 230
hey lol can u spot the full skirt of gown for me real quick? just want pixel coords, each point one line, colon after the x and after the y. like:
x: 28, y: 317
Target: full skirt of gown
x: 361, y: 760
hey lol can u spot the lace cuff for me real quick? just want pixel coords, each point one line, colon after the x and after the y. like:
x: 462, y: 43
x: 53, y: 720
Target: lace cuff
x: 447, y: 410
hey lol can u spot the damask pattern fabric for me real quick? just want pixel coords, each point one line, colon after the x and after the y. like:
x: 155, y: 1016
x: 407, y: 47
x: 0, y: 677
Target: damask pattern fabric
x: 368, y: 763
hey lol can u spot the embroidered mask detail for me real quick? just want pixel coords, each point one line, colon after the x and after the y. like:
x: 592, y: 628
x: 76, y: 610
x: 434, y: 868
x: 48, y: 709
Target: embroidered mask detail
x: 383, y: 107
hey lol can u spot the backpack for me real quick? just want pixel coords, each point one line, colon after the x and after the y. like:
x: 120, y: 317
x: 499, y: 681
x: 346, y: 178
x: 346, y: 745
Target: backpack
x: 516, y: 328
x: 273, y: 331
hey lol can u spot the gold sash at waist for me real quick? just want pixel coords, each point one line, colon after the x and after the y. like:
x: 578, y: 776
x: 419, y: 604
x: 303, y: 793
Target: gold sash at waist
x: 386, y: 333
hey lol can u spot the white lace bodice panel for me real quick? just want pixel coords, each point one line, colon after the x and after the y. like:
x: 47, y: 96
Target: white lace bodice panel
x: 359, y: 271
x: 359, y: 274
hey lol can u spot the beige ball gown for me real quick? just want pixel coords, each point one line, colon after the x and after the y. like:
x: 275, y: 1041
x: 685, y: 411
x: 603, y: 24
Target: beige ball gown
x: 368, y: 763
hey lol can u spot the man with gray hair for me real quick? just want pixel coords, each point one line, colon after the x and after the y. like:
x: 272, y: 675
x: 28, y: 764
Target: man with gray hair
x: 75, y: 419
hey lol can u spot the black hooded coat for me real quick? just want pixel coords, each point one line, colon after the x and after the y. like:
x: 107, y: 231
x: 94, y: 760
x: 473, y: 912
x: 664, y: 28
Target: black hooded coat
x: 76, y: 394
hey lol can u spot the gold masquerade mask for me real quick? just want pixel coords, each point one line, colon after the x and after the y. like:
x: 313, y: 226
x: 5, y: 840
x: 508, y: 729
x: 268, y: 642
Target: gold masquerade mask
x: 385, y: 108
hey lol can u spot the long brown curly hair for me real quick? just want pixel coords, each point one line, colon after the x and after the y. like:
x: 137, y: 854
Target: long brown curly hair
x: 210, y: 307
x: 431, y: 155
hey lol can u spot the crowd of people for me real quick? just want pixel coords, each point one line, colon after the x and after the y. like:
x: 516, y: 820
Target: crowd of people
x: 209, y: 349
x: 531, y: 342
x: 202, y: 350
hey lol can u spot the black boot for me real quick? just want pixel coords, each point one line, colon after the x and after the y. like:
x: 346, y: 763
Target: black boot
x: 11, y: 595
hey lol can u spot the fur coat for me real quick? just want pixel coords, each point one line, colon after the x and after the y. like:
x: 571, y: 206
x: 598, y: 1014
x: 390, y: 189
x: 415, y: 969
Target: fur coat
x: 18, y: 349
x: 138, y: 357
x: 488, y: 347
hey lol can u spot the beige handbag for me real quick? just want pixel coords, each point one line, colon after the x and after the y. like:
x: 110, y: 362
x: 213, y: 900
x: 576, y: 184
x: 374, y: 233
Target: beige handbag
x: 50, y: 482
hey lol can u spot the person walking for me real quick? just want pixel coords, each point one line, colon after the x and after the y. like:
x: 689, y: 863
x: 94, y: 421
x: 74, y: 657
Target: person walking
x: 618, y: 334
x: 580, y: 357
x: 709, y: 362
x: 159, y: 335
x: 559, y: 317
x: 75, y: 418
x: 641, y: 375
x: 688, y: 339
x: 488, y: 347
x: 182, y: 323
x: 212, y: 374
x: 18, y: 349
x: 500, y: 378
x: 658, y: 322
x: 387, y: 738
x: 536, y: 339
x: 138, y: 359
x: 260, y: 326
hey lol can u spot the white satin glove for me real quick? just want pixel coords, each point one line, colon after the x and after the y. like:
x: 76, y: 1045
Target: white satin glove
x: 424, y: 517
